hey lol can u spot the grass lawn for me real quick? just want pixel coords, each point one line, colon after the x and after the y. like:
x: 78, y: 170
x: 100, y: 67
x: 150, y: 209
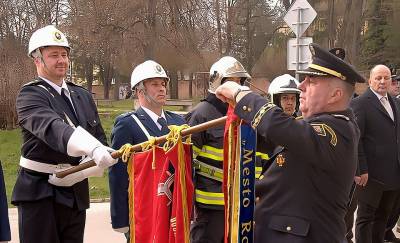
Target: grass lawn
x: 10, y: 142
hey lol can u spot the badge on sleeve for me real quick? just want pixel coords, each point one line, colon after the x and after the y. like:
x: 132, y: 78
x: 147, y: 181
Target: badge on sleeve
x: 322, y: 130
x: 280, y: 160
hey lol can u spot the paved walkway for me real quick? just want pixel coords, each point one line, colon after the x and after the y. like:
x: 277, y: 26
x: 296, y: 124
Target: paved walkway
x: 98, y: 226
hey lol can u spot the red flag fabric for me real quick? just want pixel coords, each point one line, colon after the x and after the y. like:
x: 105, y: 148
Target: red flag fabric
x: 180, y: 156
x: 161, y: 199
x: 146, y: 177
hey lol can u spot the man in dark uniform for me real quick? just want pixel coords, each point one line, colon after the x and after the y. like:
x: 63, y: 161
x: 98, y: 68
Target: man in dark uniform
x: 149, y: 82
x: 304, y: 194
x: 5, y: 234
x: 59, y: 125
x: 379, y: 155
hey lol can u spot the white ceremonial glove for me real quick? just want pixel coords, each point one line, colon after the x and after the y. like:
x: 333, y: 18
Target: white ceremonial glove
x: 122, y: 230
x: 83, y: 143
x: 228, y: 91
x: 76, y: 177
x: 69, y: 180
x: 102, y: 157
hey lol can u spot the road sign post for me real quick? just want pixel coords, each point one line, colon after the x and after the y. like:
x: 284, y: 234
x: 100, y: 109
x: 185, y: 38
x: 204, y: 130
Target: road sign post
x: 299, y: 17
x: 295, y: 45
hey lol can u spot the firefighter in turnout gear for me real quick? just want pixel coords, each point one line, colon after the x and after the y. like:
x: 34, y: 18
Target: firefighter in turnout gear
x: 208, y: 225
x: 285, y: 94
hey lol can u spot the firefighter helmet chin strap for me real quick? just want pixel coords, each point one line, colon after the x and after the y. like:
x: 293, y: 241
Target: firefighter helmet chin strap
x: 150, y: 99
x: 38, y: 54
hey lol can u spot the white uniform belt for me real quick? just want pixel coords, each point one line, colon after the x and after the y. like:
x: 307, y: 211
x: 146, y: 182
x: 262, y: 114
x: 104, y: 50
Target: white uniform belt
x: 42, y: 167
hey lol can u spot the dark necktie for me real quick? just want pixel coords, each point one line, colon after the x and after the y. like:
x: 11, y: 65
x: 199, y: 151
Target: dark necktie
x: 164, y: 126
x: 68, y: 102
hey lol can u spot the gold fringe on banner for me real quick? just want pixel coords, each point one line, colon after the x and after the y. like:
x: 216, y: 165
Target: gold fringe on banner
x: 127, y: 157
x: 175, y: 138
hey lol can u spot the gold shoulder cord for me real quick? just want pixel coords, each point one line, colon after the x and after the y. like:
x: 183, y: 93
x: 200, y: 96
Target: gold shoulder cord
x: 260, y: 113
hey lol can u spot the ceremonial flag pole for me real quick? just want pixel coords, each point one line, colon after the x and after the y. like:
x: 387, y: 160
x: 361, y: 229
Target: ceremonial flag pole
x: 138, y: 147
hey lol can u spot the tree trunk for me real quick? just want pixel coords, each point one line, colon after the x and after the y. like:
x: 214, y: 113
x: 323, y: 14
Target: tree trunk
x: 107, y: 77
x: 287, y: 4
x: 248, y: 36
x: 116, y: 86
x: 219, y: 33
x: 354, y: 44
x: 89, y: 74
x: 349, y: 36
x: 173, y: 84
x: 191, y: 85
x: 331, y: 24
x: 229, y: 24
x: 151, y: 33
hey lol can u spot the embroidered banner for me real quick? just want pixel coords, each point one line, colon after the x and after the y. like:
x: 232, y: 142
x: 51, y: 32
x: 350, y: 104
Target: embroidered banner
x: 161, y: 191
x: 239, y: 179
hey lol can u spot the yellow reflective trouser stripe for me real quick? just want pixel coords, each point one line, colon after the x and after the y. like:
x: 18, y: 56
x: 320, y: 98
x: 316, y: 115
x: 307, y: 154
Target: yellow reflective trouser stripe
x: 209, y: 152
x: 258, y: 171
x: 262, y: 155
x: 213, y: 198
x: 208, y: 170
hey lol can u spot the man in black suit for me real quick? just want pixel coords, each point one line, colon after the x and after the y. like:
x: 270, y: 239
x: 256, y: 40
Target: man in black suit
x: 393, y: 218
x: 378, y: 118
x: 304, y: 194
x: 59, y: 124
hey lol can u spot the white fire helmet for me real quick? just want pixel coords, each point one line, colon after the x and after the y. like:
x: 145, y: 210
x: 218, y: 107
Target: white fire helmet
x: 226, y: 67
x: 47, y: 36
x: 284, y: 84
x: 146, y: 70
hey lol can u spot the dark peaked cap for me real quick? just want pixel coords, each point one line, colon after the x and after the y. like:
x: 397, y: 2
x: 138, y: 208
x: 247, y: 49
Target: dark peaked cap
x: 325, y: 63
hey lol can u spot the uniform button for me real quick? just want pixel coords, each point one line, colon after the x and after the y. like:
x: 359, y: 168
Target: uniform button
x: 244, y: 108
x: 94, y: 121
x: 249, y: 109
x: 257, y: 199
x: 288, y: 228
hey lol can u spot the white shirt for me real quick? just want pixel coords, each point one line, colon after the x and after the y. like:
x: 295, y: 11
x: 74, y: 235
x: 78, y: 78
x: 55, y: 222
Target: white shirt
x: 154, y: 116
x: 389, y: 109
x: 59, y: 89
x: 379, y: 95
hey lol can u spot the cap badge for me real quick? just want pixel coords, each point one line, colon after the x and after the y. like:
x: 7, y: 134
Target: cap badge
x: 159, y: 69
x: 58, y: 37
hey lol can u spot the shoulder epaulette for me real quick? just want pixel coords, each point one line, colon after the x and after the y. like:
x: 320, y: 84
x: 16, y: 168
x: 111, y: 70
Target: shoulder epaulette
x: 171, y: 113
x: 126, y: 114
x: 33, y: 82
x: 341, y: 117
x: 76, y: 85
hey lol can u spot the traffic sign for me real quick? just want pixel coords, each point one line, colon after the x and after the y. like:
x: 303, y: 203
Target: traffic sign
x: 300, y: 16
x: 305, y: 56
